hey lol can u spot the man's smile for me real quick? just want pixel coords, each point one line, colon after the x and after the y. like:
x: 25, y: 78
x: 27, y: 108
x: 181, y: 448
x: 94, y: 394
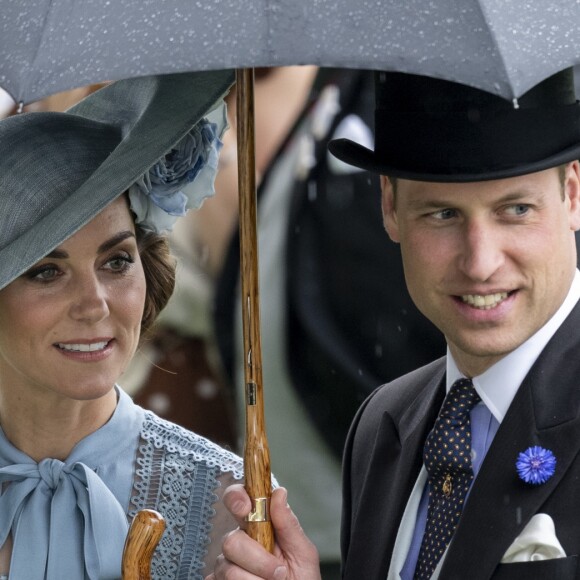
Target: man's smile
x: 484, y: 301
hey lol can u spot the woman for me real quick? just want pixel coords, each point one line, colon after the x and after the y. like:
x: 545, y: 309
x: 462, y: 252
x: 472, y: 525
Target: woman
x: 84, y: 271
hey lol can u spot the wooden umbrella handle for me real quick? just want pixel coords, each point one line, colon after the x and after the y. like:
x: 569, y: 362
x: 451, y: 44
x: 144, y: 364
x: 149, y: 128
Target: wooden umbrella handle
x: 256, y: 453
x: 144, y: 534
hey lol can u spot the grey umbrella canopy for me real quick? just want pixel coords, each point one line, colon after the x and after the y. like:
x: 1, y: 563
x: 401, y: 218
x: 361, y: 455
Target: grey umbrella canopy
x: 504, y: 47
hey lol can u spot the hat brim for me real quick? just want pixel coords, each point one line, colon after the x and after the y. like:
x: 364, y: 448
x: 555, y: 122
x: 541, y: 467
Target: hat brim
x: 170, y: 106
x: 359, y: 156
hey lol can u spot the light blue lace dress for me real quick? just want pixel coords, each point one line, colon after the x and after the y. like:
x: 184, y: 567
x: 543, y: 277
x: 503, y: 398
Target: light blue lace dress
x: 69, y: 519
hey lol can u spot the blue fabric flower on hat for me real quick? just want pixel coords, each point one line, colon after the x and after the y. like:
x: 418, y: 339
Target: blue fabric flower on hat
x: 182, y: 179
x: 536, y: 465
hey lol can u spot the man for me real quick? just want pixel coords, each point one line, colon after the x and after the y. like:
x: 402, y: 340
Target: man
x: 468, y: 467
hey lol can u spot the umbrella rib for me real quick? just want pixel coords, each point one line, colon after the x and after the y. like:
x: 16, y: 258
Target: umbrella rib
x: 487, y: 21
x: 26, y: 74
x: 268, y: 12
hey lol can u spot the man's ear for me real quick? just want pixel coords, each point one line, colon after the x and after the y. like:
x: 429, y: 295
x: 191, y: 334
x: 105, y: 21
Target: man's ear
x: 572, y: 193
x: 388, y: 206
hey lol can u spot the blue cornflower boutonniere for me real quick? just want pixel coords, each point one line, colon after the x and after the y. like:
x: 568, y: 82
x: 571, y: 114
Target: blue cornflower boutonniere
x: 536, y: 465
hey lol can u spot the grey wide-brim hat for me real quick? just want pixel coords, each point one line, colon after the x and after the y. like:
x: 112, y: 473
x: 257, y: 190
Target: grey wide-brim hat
x: 59, y: 170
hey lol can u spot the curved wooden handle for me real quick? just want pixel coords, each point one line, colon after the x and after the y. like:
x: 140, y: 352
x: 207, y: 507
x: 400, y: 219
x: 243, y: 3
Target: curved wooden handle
x: 144, y: 534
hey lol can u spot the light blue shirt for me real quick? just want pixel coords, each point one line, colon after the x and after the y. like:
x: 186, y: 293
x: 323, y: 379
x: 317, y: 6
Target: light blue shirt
x: 497, y: 388
x: 67, y: 518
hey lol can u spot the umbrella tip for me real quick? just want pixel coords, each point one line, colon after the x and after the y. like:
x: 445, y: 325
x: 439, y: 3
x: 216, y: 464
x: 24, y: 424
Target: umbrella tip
x: 516, y: 103
x: 20, y: 107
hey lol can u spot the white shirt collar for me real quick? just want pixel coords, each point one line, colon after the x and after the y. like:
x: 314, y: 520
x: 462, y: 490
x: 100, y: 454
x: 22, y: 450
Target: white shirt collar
x: 498, y: 385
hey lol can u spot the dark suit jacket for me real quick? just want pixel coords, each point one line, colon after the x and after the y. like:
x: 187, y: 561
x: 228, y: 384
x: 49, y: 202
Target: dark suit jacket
x: 383, y: 459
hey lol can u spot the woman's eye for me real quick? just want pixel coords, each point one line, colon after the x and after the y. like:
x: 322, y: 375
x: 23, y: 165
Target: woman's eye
x: 43, y: 274
x: 120, y: 263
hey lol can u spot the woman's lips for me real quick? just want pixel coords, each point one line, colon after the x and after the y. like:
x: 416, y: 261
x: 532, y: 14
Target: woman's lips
x: 83, y: 347
x: 86, y: 350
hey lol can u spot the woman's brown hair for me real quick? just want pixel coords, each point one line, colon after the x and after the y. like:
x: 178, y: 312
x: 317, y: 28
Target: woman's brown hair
x: 159, y: 267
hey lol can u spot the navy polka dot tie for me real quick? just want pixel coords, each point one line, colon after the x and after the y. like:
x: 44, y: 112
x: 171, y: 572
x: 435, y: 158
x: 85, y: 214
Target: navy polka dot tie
x: 447, y: 457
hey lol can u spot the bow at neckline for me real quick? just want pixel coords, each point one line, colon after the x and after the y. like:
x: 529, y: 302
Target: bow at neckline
x: 64, y: 520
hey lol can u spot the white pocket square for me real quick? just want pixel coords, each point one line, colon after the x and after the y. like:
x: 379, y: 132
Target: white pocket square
x: 537, y: 541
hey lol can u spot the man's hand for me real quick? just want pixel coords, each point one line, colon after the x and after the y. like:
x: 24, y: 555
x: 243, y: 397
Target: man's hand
x: 294, y: 558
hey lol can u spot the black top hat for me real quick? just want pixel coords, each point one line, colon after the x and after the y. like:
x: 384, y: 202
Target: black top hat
x: 434, y: 130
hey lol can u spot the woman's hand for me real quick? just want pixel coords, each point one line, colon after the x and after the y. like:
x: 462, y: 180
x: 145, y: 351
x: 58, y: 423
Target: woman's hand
x: 295, y: 556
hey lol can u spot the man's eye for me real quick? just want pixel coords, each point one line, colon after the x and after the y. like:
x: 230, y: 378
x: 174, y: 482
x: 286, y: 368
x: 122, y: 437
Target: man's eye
x: 518, y: 209
x: 444, y: 214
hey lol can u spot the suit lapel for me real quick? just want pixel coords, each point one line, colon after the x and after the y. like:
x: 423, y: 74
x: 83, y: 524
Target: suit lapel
x: 544, y: 412
x: 395, y: 463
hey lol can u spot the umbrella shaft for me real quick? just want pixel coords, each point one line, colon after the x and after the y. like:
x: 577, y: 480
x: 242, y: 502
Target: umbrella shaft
x: 256, y: 452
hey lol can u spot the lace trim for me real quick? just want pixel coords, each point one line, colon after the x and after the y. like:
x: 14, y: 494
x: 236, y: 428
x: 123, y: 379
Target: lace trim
x: 177, y: 474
